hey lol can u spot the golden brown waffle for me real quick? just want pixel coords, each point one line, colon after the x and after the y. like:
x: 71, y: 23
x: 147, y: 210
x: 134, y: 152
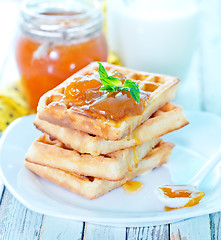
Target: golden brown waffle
x: 91, y: 187
x: 168, y: 118
x: 55, y: 108
x: 113, y: 166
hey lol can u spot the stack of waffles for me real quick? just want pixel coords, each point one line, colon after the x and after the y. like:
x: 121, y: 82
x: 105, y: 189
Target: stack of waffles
x: 88, y: 151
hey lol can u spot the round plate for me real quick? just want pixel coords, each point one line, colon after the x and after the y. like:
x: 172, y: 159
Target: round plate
x: 194, y: 144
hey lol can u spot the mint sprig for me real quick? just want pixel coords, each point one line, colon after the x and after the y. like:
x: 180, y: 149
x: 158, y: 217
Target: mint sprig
x: 113, y: 84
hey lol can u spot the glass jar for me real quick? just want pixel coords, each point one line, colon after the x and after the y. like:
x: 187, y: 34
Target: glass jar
x: 58, y: 38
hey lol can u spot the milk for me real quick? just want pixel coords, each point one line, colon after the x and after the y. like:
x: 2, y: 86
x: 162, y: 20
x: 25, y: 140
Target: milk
x: 154, y: 35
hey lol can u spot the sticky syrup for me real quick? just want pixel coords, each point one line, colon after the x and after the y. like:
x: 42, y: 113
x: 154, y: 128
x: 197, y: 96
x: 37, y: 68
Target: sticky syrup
x: 132, y: 135
x: 194, y: 197
x: 136, y: 138
x: 132, y: 186
x: 84, y: 94
x: 136, y: 159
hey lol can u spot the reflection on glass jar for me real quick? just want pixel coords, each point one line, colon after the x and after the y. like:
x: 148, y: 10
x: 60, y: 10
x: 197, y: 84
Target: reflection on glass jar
x: 57, y: 39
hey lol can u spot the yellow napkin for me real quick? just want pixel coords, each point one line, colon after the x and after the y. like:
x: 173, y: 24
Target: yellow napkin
x: 12, y: 104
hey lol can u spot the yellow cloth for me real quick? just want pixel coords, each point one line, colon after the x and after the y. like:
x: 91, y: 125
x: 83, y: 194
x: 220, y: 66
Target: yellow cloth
x: 12, y: 104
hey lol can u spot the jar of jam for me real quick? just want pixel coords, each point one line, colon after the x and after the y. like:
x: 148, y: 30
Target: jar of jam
x: 57, y: 39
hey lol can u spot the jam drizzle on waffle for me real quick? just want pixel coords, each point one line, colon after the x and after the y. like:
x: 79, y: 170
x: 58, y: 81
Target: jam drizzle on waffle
x: 84, y: 93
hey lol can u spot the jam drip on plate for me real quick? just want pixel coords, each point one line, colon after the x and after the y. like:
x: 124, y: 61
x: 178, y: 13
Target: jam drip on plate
x: 132, y: 186
x: 84, y: 94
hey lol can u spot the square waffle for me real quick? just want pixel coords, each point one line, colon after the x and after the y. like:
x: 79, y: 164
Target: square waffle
x: 56, y: 108
x: 168, y: 118
x: 91, y: 187
x: 113, y: 166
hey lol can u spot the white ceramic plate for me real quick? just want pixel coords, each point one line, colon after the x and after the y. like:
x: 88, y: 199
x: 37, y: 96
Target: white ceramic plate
x: 194, y: 144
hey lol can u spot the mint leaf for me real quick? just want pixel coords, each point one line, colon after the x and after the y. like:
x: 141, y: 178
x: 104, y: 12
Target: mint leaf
x: 102, y: 72
x: 108, y: 88
x: 130, y: 84
x: 113, y: 84
x: 135, y: 94
x: 115, y: 81
x: 134, y: 89
x: 105, y: 79
x: 123, y: 89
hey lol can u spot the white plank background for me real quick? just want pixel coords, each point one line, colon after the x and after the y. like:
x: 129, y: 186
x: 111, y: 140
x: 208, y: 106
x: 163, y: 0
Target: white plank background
x: 192, y: 229
x: 200, y: 91
x: 57, y: 228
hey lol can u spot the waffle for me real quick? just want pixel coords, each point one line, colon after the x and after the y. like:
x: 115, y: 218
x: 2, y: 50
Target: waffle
x: 168, y: 118
x: 56, y: 109
x: 91, y: 187
x: 113, y: 166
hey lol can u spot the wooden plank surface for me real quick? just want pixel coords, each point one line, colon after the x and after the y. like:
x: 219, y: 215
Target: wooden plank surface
x: 160, y: 232
x: 61, y: 229
x: 93, y: 231
x: 191, y: 229
x: 215, y: 226
x: 16, y: 221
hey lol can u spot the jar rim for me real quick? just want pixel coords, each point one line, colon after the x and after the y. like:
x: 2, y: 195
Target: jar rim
x: 25, y: 8
x: 72, y: 18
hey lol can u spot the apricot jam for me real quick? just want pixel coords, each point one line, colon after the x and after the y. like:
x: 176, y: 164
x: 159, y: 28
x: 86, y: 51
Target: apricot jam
x: 194, y: 197
x: 54, y: 45
x: 84, y: 94
x: 136, y: 159
x: 132, y: 186
x: 169, y: 192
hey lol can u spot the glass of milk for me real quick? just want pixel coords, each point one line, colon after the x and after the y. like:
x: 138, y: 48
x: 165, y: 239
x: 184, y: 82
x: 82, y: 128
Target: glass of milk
x: 154, y: 35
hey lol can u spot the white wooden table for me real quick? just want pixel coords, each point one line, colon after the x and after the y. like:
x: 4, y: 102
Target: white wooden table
x: 200, y: 91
